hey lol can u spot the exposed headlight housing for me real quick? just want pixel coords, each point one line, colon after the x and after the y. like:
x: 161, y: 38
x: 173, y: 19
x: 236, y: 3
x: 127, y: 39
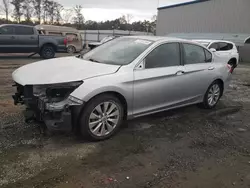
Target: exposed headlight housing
x: 56, y: 92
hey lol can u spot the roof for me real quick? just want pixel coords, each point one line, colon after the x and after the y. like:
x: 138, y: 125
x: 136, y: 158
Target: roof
x: 156, y: 38
x: 16, y: 25
x: 55, y: 28
x: 182, y: 4
x: 209, y: 41
x: 237, y: 38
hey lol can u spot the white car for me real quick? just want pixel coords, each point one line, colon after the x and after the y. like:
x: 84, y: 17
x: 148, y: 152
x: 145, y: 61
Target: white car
x: 224, y: 50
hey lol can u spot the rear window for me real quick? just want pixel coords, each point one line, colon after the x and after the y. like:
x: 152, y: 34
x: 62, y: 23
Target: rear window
x: 223, y: 46
x: 230, y: 46
x: 24, y: 30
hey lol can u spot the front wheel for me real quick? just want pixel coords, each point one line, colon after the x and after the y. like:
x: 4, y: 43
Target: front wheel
x: 101, y: 118
x: 212, y: 95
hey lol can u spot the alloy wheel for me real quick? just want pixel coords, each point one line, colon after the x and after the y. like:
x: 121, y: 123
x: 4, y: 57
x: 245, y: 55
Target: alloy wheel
x: 214, y: 94
x: 104, y: 118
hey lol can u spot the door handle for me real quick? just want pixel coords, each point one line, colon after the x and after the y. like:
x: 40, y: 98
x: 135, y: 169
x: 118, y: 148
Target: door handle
x: 211, y: 68
x: 12, y: 37
x: 32, y: 37
x: 179, y: 73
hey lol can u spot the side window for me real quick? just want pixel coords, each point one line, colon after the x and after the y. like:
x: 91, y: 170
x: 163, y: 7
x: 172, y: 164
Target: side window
x: 215, y: 46
x: 55, y: 33
x: 193, y: 54
x: 24, y: 30
x: 7, y: 30
x: 223, y: 46
x: 230, y: 46
x: 165, y: 55
x: 209, y: 56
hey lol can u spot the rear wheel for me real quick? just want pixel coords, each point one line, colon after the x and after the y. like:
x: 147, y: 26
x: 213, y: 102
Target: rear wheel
x: 101, y: 118
x: 47, y: 52
x: 71, y: 49
x: 212, y: 95
x: 232, y: 63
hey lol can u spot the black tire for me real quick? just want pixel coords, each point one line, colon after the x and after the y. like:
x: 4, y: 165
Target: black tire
x: 83, y: 123
x: 47, y: 52
x: 205, y: 104
x: 71, y: 49
x: 232, y: 63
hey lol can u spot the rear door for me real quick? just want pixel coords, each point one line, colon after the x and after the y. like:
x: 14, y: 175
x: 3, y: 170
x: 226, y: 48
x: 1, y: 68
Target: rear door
x: 8, y: 40
x: 199, y: 71
x: 158, y: 81
x: 27, y: 39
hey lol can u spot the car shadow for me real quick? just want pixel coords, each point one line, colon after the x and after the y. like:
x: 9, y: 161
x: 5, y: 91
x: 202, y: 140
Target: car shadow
x: 19, y: 56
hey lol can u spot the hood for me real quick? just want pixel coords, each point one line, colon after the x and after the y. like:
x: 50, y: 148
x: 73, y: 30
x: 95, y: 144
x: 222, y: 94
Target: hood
x: 60, y: 70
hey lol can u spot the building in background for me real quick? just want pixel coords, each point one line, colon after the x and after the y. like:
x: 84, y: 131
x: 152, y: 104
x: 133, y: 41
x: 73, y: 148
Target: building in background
x: 206, y: 16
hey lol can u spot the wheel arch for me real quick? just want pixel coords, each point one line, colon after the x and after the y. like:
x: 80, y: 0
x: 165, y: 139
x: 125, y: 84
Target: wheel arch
x: 234, y: 60
x: 116, y: 94
x: 221, y: 82
x: 49, y: 44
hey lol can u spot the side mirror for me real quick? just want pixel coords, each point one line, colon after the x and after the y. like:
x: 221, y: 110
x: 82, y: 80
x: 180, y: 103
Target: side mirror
x: 212, y: 49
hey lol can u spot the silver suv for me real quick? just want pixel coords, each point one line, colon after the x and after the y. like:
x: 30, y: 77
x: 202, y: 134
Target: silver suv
x: 122, y: 79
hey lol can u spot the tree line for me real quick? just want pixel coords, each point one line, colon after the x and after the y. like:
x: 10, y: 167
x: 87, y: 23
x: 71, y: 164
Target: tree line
x: 33, y: 12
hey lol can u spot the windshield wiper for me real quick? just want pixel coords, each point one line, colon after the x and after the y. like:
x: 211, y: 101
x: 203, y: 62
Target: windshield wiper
x: 93, y: 60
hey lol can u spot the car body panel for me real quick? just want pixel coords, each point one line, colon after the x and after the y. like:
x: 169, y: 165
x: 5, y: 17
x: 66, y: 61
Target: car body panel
x: 60, y: 70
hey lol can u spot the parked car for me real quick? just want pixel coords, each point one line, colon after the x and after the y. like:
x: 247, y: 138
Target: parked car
x: 74, y: 37
x: 15, y: 38
x: 225, y: 50
x: 122, y: 79
x: 93, y: 45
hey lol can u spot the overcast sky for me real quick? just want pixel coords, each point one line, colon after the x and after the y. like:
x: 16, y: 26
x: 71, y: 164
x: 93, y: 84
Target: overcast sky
x: 101, y: 10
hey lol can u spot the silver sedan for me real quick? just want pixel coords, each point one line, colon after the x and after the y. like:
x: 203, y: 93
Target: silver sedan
x: 123, y: 79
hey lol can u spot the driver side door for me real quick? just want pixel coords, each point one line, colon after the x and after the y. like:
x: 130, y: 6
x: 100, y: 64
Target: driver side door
x: 158, y: 80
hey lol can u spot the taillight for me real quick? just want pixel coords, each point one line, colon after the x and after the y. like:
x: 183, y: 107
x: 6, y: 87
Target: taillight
x: 230, y: 68
x: 65, y: 41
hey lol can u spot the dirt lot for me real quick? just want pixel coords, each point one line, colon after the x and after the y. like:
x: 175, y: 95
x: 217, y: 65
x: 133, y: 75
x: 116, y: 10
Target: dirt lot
x: 188, y: 147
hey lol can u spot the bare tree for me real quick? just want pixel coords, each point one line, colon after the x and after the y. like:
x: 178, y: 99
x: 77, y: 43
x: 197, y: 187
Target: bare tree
x: 27, y: 10
x: 6, y: 8
x: 67, y: 15
x: 58, y: 10
x: 128, y: 18
x: 51, y: 11
x: 37, y: 4
x: 45, y: 9
x: 123, y: 19
x: 79, y: 18
x: 17, y: 13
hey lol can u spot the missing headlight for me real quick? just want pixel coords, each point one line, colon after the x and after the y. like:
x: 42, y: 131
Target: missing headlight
x: 56, y: 93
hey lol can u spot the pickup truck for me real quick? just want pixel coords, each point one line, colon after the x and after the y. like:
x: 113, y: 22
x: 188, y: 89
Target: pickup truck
x: 16, y: 38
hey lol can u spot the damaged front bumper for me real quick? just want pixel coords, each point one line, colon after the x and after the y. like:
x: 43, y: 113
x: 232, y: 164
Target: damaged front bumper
x: 57, y: 115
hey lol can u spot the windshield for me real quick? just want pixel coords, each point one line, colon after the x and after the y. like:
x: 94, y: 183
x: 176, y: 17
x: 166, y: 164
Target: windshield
x: 120, y: 51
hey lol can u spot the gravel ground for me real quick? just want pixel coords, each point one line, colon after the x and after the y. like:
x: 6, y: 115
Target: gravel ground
x: 188, y: 147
